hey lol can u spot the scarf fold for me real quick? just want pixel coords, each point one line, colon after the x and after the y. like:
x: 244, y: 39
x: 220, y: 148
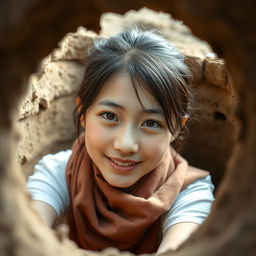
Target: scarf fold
x: 102, y: 216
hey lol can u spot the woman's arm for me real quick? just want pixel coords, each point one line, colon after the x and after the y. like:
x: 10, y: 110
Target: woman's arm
x: 47, y: 212
x: 47, y: 186
x: 175, y: 235
x: 191, y: 208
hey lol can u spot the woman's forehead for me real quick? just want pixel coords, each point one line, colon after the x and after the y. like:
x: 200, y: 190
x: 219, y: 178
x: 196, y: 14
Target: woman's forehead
x: 120, y: 89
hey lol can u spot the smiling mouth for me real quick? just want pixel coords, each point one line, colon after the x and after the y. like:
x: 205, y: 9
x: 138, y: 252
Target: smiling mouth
x: 123, y: 163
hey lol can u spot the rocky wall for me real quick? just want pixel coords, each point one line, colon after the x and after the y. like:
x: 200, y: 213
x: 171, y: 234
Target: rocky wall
x: 45, y: 118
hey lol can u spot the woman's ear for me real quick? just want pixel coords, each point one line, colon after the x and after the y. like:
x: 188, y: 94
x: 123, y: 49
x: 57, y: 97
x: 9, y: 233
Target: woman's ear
x: 82, y: 121
x: 78, y: 102
x: 184, y: 120
x: 78, y: 105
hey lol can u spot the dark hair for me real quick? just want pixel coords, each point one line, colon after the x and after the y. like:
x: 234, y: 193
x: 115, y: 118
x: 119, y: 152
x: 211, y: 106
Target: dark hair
x: 151, y: 61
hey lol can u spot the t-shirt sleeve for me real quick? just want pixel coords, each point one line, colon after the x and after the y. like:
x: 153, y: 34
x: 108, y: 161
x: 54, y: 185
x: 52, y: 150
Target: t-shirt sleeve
x: 48, y: 182
x: 193, y: 204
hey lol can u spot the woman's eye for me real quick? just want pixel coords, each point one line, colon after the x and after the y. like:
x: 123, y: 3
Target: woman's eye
x: 152, y: 124
x: 109, y: 116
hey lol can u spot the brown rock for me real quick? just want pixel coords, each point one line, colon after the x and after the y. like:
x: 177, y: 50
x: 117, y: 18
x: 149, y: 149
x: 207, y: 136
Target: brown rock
x: 48, y: 131
x: 196, y: 66
x: 215, y: 72
x: 174, y: 30
x: 60, y: 73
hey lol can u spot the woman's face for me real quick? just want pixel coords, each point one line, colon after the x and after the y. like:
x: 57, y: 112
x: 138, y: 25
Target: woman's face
x: 124, y: 141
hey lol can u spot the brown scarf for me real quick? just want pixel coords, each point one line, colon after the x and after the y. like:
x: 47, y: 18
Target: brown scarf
x: 102, y: 216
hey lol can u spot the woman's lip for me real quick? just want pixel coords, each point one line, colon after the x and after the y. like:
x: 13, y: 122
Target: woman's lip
x: 121, y: 169
x: 127, y: 161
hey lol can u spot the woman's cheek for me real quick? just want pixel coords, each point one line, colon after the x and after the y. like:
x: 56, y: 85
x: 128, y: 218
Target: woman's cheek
x: 156, y: 147
x: 95, y: 133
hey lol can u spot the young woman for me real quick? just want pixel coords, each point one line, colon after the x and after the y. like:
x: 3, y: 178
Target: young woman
x: 123, y: 184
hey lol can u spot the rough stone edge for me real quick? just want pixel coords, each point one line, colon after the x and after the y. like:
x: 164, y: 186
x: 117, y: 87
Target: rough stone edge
x: 40, y: 127
x: 72, y: 52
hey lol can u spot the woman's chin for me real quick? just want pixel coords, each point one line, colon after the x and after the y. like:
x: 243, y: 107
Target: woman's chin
x: 120, y: 183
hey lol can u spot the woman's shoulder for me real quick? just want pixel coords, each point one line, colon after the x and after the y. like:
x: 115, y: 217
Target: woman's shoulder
x: 200, y: 188
x: 193, y: 204
x: 52, y: 165
x: 60, y: 157
x: 205, y: 182
x: 198, y: 192
x: 48, y: 182
x: 52, y: 161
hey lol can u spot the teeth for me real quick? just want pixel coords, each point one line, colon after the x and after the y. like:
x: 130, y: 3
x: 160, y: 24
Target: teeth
x: 121, y: 164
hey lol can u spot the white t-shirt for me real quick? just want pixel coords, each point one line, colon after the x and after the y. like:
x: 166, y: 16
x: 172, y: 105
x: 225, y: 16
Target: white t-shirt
x: 48, y: 184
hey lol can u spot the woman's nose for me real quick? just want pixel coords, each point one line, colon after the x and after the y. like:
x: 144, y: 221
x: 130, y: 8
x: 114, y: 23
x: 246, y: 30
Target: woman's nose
x: 126, y: 141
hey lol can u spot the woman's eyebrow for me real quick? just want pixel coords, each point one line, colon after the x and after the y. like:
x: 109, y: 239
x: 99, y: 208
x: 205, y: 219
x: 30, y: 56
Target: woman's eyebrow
x: 115, y: 105
x: 110, y: 104
x: 154, y: 111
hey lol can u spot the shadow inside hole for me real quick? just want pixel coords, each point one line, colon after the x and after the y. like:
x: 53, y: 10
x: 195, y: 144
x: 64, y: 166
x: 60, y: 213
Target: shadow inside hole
x: 219, y: 116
